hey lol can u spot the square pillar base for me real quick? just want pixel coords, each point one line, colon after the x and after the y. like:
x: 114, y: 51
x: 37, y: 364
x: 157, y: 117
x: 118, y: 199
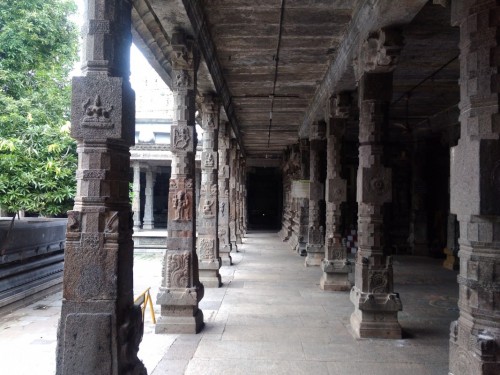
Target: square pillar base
x: 180, y: 323
x: 209, y: 273
x: 375, y: 315
x: 315, y: 255
x: 335, y: 275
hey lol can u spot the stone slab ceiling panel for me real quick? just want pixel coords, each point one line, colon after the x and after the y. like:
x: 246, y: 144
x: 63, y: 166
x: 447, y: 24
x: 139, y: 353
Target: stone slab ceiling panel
x: 246, y: 35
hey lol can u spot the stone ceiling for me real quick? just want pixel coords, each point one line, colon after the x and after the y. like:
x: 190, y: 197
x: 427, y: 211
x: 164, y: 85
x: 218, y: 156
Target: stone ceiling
x: 289, y: 56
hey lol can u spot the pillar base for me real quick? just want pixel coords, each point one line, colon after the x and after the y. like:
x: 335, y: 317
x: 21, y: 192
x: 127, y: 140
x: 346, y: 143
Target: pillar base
x: 234, y: 246
x: 315, y: 255
x: 148, y: 226
x: 228, y: 254
x: 375, y: 315
x: 209, y: 273
x: 335, y: 275
x: 181, y: 323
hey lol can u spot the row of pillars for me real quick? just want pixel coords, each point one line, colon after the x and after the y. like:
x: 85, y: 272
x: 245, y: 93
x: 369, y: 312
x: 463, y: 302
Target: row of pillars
x: 474, y: 185
x: 100, y: 328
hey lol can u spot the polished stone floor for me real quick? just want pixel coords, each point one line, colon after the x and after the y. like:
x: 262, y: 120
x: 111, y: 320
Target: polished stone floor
x: 270, y: 317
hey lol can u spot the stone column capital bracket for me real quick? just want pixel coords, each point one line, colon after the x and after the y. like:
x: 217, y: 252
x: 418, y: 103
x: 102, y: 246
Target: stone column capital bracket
x: 379, y: 53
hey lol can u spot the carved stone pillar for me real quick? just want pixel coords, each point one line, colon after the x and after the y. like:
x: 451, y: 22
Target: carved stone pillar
x: 136, y: 200
x: 181, y: 290
x: 100, y: 328
x: 223, y: 233
x: 233, y: 173
x: 376, y: 305
x: 149, y: 222
x: 475, y: 191
x: 303, y: 203
x: 316, y: 233
x: 208, y: 243
x: 240, y: 198
x: 335, y: 265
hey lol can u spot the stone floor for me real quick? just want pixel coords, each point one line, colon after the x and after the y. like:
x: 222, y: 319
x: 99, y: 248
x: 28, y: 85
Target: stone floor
x: 270, y: 317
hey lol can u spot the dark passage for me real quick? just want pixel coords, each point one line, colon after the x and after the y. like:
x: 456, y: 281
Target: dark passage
x: 264, y: 198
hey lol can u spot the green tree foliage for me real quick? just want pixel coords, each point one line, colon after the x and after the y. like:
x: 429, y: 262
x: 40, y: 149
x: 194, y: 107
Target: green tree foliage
x: 38, y: 48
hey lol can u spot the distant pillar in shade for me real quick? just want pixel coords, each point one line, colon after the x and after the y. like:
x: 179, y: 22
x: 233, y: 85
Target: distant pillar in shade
x: 149, y: 222
x: 335, y: 265
x: 376, y: 305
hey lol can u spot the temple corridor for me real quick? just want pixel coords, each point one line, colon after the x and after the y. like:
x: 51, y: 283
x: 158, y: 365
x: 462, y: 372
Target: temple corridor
x: 269, y: 316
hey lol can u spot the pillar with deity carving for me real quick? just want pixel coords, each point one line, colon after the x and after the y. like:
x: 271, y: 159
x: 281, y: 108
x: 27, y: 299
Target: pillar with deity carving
x: 335, y: 265
x: 376, y: 305
x: 100, y: 327
x: 223, y: 219
x: 316, y: 234
x: 208, y: 242
x: 181, y: 290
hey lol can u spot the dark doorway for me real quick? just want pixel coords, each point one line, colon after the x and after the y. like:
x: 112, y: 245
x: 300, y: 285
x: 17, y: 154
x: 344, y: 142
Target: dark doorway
x: 264, y: 198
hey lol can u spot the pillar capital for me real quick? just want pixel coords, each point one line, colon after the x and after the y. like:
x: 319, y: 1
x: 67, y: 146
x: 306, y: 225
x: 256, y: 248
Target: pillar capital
x: 379, y: 53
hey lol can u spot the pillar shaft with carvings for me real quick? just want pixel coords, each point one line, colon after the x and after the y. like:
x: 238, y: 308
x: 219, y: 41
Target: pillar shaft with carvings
x: 302, y: 203
x: 316, y: 234
x: 208, y: 243
x: 223, y: 223
x: 475, y: 188
x: 136, y: 200
x: 149, y: 222
x: 376, y: 306
x: 335, y: 265
x: 181, y: 290
x: 233, y: 173
x: 100, y: 328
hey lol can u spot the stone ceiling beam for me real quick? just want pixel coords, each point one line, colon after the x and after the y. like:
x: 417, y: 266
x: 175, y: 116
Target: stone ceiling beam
x: 207, y: 47
x: 371, y: 15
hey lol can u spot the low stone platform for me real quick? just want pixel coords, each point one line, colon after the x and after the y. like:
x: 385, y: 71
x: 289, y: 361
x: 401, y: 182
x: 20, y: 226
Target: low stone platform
x: 270, y: 316
x: 150, y: 241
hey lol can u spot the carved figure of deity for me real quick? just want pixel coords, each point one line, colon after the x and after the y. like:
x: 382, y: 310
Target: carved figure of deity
x: 181, y: 204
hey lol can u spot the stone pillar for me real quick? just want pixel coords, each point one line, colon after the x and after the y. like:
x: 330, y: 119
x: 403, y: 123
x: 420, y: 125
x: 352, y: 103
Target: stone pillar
x: 240, y: 198
x: 303, y: 203
x: 232, y: 193
x: 209, y: 261
x: 475, y: 191
x: 335, y: 265
x: 100, y: 328
x: 223, y: 233
x: 136, y: 200
x: 316, y: 233
x: 181, y: 289
x: 149, y: 221
x: 418, y: 221
x: 376, y: 305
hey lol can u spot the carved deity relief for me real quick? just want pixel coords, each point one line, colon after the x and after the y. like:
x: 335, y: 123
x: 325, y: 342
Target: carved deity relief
x: 208, y: 160
x: 181, y: 138
x: 222, y: 209
x: 181, y: 204
x: 97, y: 115
x: 208, y: 208
x: 206, y: 249
x: 178, y: 275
